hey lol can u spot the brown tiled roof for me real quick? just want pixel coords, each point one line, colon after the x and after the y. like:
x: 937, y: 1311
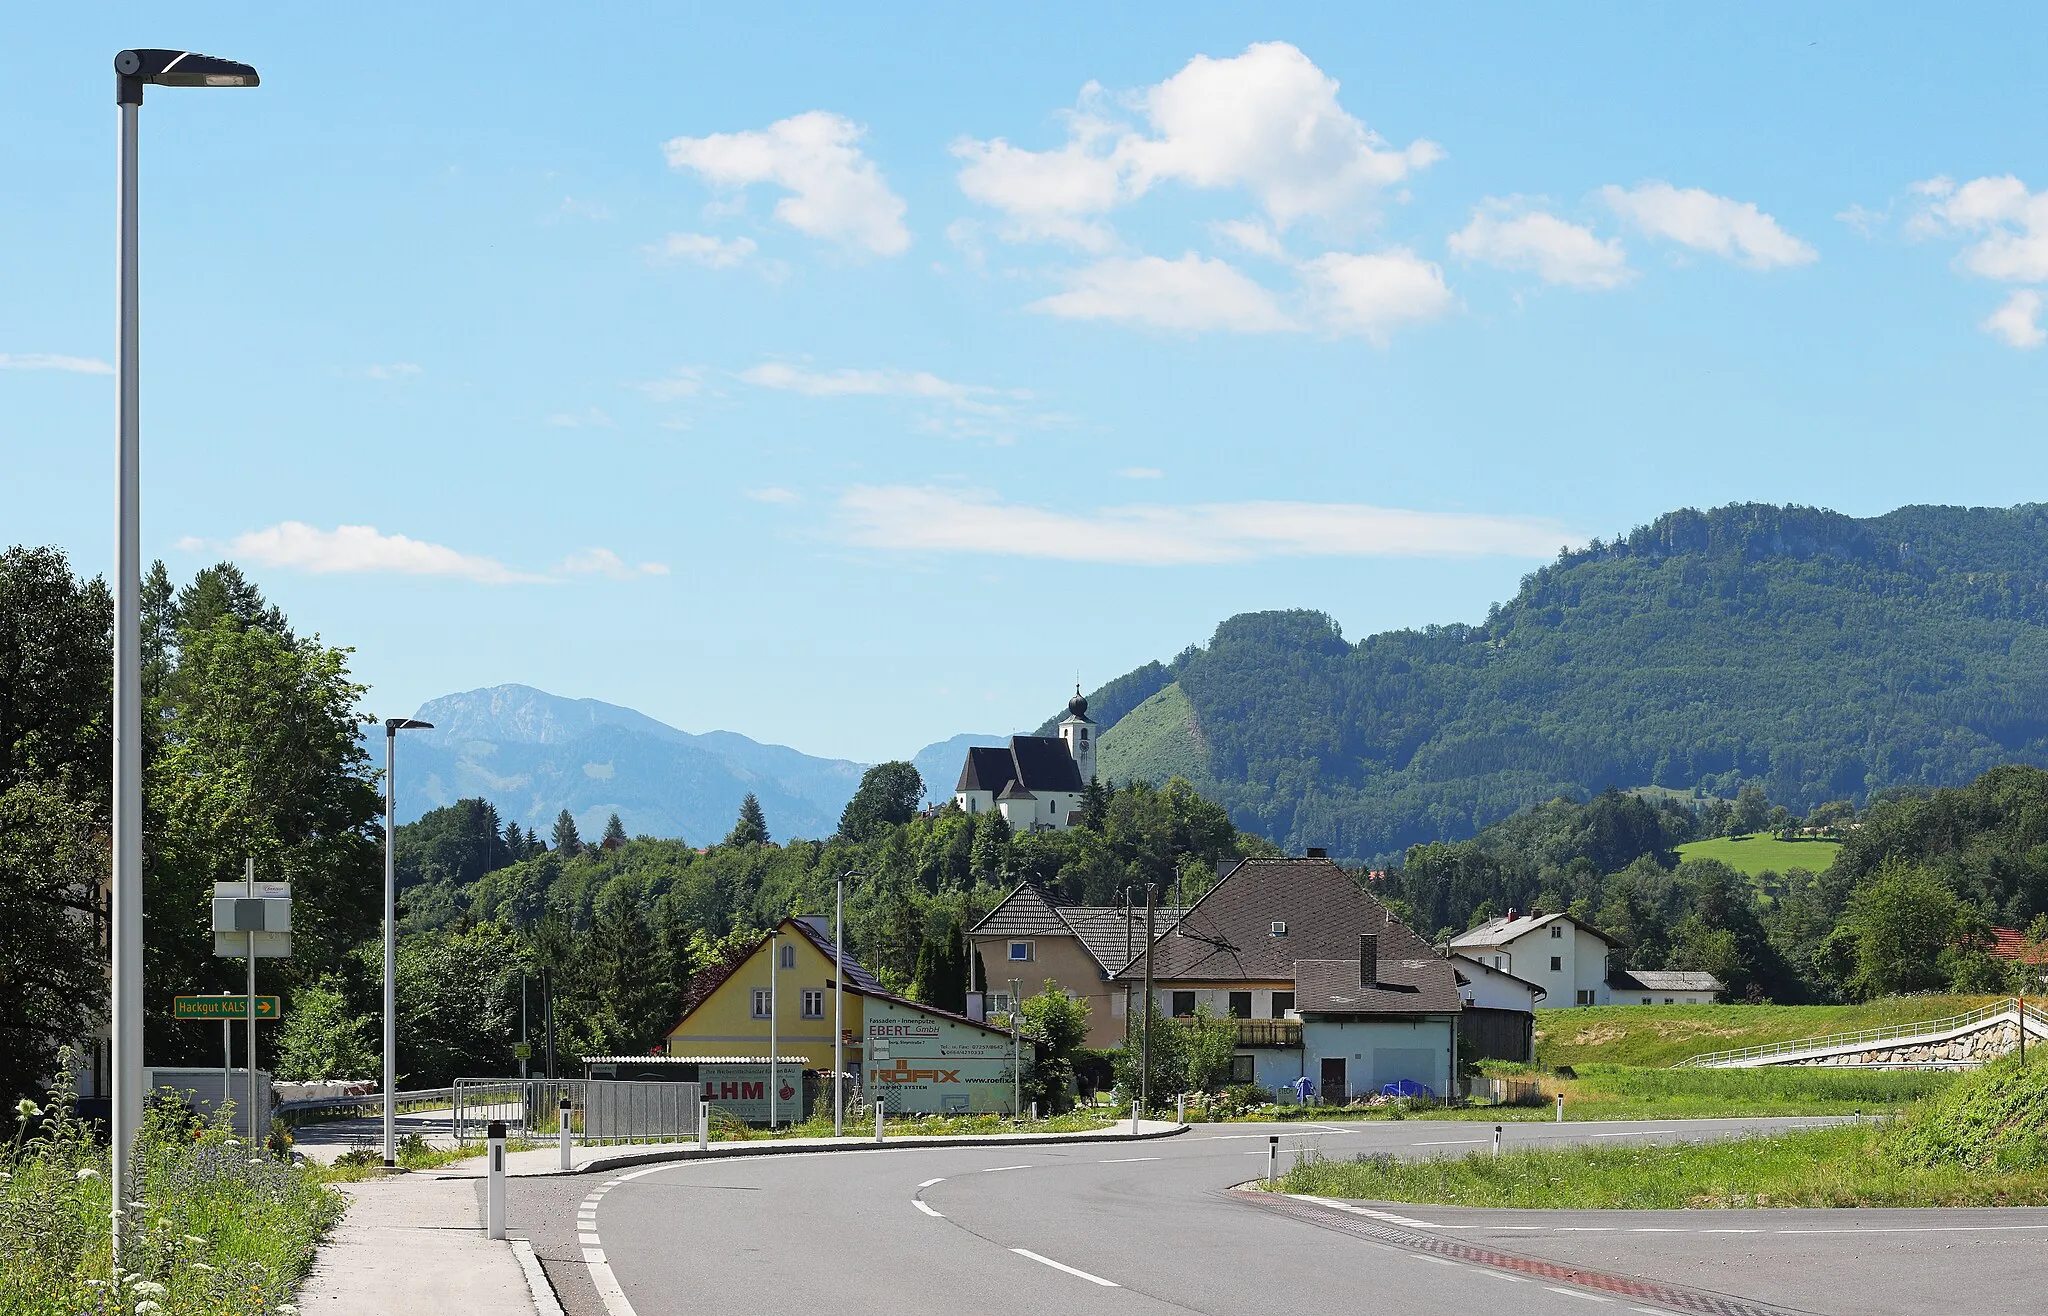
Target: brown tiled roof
x: 1101, y: 930
x: 1417, y: 986
x: 1033, y: 911
x: 1228, y: 935
x: 1025, y: 912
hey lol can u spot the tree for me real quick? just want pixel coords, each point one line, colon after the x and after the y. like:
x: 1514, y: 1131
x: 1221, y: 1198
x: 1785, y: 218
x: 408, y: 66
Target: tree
x: 619, y: 973
x: 53, y: 857
x: 515, y: 842
x: 941, y: 977
x: 614, y: 833
x: 458, y: 1004
x: 1752, y: 811
x: 1897, y: 928
x: 322, y: 1038
x: 751, y: 827
x: 990, y: 856
x: 888, y: 796
x: 567, y: 843
x: 56, y: 675
x: 1058, y: 1024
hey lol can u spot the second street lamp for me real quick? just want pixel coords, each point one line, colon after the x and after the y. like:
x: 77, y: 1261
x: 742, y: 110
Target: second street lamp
x: 392, y: 726
x: 134, y: 70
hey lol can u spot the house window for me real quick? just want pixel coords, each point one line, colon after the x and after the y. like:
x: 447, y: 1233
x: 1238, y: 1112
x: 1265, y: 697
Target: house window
x: 998, y: 1003
x: 1241, y: 1070
x: 1667, y: 1001
x: 1183, y: 1004
x: 1240, y: 1005
x: 1500, y: 961
x: 1020, y: 950
x: 761, y: 1002
x: 1585, y: 996
x: 1646, y: 1000
x: 1557, y: 964
x: 1557, y: 932
x: 1282, y: 1003
x: 789, y: 957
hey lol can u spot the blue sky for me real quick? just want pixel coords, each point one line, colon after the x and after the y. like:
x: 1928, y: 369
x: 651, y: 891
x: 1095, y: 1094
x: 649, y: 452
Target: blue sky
x: 851, y: 382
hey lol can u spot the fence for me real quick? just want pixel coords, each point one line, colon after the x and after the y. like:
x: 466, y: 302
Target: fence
x: 363, y: 1105
x: 2037, y: 1024
x: 600, y: 1110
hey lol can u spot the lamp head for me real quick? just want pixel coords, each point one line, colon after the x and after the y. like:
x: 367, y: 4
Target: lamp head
x: 394, y: 725
x: 134, y: 69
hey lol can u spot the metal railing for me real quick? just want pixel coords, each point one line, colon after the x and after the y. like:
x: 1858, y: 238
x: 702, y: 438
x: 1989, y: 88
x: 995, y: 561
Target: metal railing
x: 600, y: 1110
x: 1872, y: 1036
x: 368, y: 1103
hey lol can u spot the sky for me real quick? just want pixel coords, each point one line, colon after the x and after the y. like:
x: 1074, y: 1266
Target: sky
x: 854, y: 378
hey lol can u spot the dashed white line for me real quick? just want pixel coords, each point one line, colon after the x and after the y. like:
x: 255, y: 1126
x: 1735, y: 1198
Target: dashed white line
x: 1126, y: 1160
x: 1439, y: 1261
x: 1057, y: 1265
x: 998, y: 1169
x: 1449, y: 1142
x: 919, y: 1203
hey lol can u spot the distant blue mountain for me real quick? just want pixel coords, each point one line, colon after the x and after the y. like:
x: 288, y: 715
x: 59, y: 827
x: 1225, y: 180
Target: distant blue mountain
x: 533, y: 754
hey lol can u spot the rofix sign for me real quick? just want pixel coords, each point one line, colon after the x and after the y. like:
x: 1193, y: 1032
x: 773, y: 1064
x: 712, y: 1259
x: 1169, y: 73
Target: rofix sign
x: 929, y: 1064
x: 742, y: 1091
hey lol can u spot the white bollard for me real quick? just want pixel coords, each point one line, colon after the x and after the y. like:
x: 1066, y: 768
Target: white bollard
x: 704, y: 1117
x: 878, y: 1117
x: 568, y: 1161
x: 494, y: 1193
x: 1272, y: 1159
x: 1134, y: 1117
x: 1560, y: 1108
x: 1034, y: 1112
x: 1496, y: 1140
x: 1180, y: 1109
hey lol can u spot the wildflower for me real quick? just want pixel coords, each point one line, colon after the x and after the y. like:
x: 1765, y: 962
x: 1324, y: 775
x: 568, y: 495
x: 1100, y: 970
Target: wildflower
x: 195, y: 1240
x: 234, y: 1142
x: 150, y: 1288
x: 26, y: 1110
x: 83, y: 1175
x: 146, y: 1307
x: 202, y: 1267
x: 286, y: 1309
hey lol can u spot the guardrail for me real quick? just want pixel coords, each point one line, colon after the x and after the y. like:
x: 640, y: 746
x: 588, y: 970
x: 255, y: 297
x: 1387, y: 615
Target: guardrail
x: 600, y: 1110
x: 1870, y: 1036
x: 362, y: 1106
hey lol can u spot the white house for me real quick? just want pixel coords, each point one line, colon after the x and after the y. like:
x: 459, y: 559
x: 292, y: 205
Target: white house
x: 1498, y: 1021
x: 1035, y: 782
x: 1553, y: 951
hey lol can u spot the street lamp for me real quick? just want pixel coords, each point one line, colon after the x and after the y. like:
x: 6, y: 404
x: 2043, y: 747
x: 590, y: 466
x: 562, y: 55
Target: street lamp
x: 839, y: 1004
x: 392, y: 726
x: 133, y: 69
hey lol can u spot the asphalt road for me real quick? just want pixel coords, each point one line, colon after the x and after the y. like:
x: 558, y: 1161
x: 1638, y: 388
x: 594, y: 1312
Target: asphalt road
x: 1152, y: 1228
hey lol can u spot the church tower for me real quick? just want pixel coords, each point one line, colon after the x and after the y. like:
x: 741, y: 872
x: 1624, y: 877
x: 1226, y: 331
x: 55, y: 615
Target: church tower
x: 1078, y: 734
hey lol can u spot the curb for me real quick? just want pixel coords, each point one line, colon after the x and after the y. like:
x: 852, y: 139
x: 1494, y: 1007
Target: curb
x: 728, y: 1151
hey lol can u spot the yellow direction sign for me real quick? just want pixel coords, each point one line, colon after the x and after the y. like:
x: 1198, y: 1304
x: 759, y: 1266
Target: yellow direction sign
x: 225, y: 1007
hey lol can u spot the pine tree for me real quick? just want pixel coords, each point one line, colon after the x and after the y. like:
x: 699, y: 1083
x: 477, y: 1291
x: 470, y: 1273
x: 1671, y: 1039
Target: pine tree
x: 515, y: 842
x: 614, y: 833
x: 567, y: 843
x: 991, y: 854
x: 1094, y: 805
x: 751, y: 828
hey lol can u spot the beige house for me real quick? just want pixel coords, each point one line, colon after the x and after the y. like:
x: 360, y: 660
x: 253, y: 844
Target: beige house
x: 1034, y: 937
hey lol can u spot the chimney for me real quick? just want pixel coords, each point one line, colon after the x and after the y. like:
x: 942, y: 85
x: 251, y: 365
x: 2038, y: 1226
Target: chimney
x: 1368, y: 959
x: 1512, y: 916
x: 1317, y: 852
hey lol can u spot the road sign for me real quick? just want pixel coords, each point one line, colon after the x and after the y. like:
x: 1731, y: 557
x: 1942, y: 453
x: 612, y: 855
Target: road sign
x: 225, y: 1007
x: 522, y: 1050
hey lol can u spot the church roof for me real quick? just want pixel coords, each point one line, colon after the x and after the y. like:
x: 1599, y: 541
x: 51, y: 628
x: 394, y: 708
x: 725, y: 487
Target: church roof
x: 1016, y: 791
x: 1034, y: 763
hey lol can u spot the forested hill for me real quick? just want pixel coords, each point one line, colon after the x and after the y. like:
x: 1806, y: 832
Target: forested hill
x: 1819, y: 655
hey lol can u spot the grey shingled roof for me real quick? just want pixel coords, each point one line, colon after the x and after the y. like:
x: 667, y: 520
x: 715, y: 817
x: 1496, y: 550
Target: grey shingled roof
x: 1665, y: 980
x: 1404, y: 987
x: 1501, y: 931
x: 1032, y: 911
x: 1227, y: 935
x: 1035, y: 763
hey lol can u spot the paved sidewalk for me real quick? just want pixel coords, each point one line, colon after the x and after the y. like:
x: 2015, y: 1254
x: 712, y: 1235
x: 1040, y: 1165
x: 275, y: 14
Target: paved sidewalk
x: 601, y: 1160
x: 414, y: 1243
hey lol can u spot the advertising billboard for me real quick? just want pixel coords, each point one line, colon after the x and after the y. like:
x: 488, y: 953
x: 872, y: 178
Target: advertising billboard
x: 930, y: 1064
x: 741, y: 1091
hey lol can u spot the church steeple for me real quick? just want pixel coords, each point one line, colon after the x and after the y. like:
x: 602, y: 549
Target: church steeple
x: 1078, y: 733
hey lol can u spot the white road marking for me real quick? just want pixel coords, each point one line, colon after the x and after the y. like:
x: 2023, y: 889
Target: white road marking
x: 1367, y: 1211
x: 1424, y: 1256
x: 919, y: 1203
x: 601, y: 1277
x: 1048, y: 1261
x: 1494, y: 1274
x: 929, y: 1182
x: 1574, y: 1293
x: 589, y: 1240
x: 1448, y: 1142
x: 997, y: 1169
x: 1126, y: 1160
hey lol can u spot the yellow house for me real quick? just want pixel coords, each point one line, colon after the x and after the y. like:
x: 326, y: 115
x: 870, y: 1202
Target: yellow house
x: 729, y: 1015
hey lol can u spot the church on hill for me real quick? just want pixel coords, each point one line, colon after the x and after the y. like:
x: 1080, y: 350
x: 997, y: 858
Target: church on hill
x: 1035, y: 782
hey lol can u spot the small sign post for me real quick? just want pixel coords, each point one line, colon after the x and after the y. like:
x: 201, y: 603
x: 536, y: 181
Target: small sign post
x: 253, y: 919
x: 227, y: 1009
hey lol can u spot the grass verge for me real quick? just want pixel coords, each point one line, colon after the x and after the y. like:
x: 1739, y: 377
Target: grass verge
x: 1662, y: 1035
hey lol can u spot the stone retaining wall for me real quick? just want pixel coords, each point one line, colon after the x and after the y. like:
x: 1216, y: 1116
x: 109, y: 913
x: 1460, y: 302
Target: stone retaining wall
x: 1995, y: 1039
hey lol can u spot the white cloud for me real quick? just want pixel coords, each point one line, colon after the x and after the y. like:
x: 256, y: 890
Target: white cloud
x: 924, y: 519
x: 1266, y: 121
x: 682, y: 382
x: 75, y: 365
x: 704, y: 249
x: 1370, y: 294
x: 1141, y: 472
x: 878, y: 384
x: 1537, y: 242
x: 393, y: 370
x: 774, y: 493
x: 588, y: 418
x: 604, y: 562
x: 1253, y: 236
x: 360, y: 549
x: 1699, y: 219
x: 2013, y: 223
x: 2018, y: 321
x: 1193, y: 293
x: 835, y: 191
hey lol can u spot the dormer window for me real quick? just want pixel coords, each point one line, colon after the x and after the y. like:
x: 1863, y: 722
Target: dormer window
x: 1279, y: 928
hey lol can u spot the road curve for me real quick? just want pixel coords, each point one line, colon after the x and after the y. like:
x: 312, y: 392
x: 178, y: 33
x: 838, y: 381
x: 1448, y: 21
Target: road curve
x: 1154, y: 1227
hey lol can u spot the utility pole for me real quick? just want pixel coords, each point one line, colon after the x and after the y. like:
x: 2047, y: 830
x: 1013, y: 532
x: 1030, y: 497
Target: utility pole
x: 774, y: 973
x: 1016, y: 1052
x: 1145, y: 1050
x: 1126, y: 902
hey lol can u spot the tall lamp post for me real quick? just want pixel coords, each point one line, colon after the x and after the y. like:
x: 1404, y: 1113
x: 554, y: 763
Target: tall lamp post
x: 133, y: 70
x: 392, y: 726
x: 839, y: 1004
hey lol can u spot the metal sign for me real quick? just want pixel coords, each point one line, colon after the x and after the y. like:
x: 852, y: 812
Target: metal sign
x: 225, y: 1007
x: 522, y: 1050
x: 252, y: 918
